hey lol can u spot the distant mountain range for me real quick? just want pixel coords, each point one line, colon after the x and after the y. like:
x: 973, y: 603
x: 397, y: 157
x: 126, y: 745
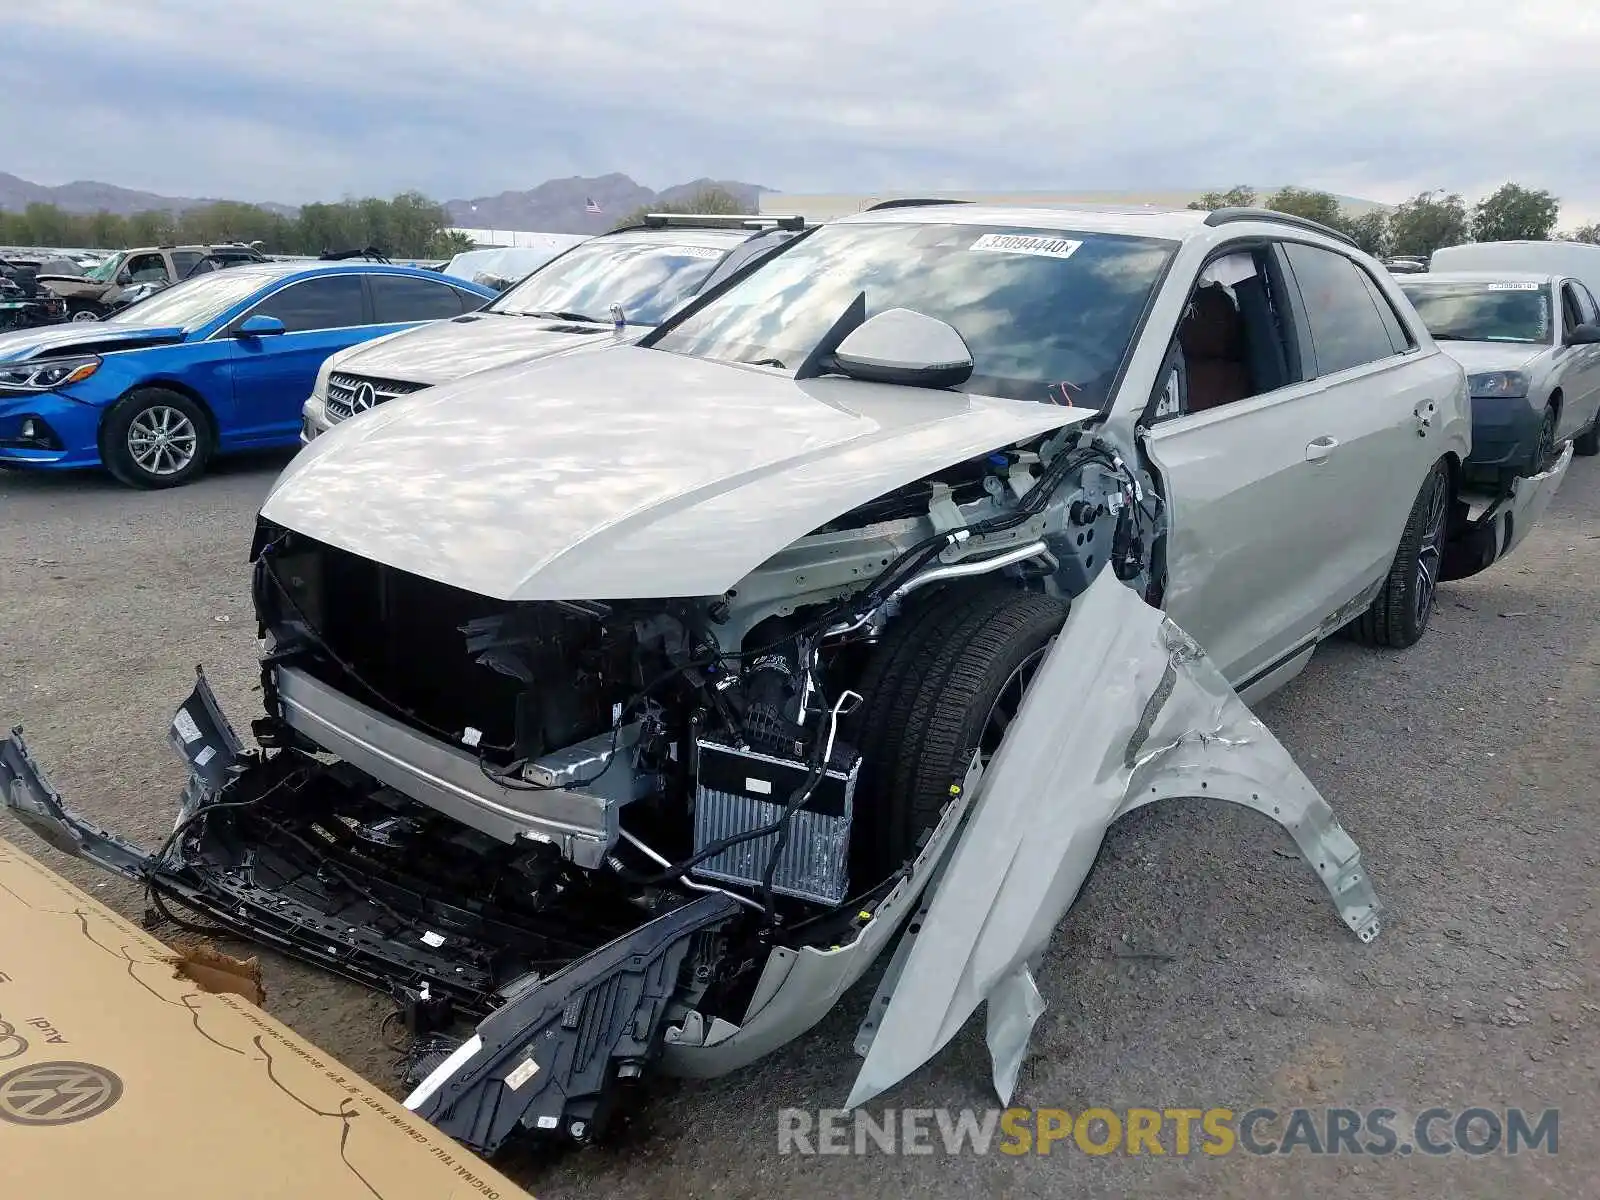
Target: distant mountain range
x: 555, y: 206
x: 561, y: 205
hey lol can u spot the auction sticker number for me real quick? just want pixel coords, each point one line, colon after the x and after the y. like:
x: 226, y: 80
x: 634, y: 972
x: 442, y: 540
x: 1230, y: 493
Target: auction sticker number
x: 1020, y: 243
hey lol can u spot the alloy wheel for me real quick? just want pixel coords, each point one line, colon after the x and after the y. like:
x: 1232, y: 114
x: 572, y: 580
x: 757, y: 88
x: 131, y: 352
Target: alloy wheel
x: 162, y: 440
x: 1430, y: 551
x: 1008, y: 702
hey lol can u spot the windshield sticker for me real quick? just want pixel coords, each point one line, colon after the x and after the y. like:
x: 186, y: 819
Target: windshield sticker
x: 696, y: 252
x: 1016, y: 243
x: 1513, y: 287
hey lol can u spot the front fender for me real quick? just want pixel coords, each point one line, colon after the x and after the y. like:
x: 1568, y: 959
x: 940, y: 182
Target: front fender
x: 1161, y: 722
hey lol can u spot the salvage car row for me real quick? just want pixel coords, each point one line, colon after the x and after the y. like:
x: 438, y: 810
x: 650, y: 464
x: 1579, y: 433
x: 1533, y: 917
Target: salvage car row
x: 663, y: 646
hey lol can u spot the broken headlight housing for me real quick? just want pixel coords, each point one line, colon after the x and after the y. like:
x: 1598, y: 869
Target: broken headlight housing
x: 1488, y: 385
x: 48, y: 374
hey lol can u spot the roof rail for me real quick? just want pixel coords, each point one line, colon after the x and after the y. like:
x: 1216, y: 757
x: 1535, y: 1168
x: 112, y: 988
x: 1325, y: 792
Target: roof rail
x: 722, y: 221
x: 911, y: 202
x: 1226, y: 216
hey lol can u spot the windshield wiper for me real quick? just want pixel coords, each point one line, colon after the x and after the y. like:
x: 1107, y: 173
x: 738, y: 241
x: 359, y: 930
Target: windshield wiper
x: 565, y: 316
x: 765, y: 362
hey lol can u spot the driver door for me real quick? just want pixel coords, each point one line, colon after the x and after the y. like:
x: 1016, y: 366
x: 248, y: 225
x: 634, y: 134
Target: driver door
x: 1580, y: 365
x: 273, y: 374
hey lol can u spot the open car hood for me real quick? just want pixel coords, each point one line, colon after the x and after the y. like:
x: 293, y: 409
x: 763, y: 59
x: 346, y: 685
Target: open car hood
x: 55, y: 341
x: 625, y: 473
x: 1164, y: 724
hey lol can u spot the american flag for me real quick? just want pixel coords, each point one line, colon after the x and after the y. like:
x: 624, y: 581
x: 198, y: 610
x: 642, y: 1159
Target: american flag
x: 590, y: 206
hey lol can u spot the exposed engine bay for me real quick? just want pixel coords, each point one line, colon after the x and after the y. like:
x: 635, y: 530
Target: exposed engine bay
x: 574, y: 838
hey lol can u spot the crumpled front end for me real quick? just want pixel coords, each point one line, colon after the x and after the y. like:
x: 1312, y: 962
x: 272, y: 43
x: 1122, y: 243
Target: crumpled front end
x: 570, y: 984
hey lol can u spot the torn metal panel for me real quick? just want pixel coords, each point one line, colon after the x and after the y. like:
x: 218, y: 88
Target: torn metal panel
x: 1125, y: 710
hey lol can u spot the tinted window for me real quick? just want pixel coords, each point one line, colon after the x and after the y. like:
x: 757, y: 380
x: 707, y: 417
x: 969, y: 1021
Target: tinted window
x: 1486, y: 311
x: 397, y: 298
x: 1399, y: 336
x: 331, y: 302
x: 1048, y: 314
x: 1346, y: 330
x: 183, y: 261
x: 1586, y: 304
x: 1571, y: 309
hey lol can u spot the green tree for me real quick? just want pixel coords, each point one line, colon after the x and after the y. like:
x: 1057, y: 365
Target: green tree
x: 711, y: 201
x: 1427, y: 222
x: 408, y: 226
x: 1370, y: 231
x: 1584, y: 233
x: 1512, y: 213
x: 447, y: 243
x: 1238, y: 196
x: 1302, y: 202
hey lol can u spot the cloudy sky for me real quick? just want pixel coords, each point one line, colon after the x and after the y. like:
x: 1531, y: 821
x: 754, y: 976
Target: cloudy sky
x: 296, y: 100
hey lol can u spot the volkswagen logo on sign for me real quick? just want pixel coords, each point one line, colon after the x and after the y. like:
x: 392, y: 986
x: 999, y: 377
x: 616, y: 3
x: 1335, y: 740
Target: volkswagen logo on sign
x: 57, y: 1093
x: 365, y: 397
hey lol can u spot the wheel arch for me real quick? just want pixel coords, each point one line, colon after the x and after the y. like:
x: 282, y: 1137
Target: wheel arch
x: 160, y: 384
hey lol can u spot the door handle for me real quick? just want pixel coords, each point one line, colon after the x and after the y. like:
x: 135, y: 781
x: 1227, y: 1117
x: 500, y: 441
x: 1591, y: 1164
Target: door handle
x: 1319, y: 449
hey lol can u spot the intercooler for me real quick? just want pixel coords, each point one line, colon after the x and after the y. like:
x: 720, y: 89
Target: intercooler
x: 741, y: 790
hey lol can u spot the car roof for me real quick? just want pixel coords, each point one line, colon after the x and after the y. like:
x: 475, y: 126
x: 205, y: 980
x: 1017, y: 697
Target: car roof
x: 267, y: 272
x: 681, y: 235
x: 1481, y: 276
x: 1177, y: 224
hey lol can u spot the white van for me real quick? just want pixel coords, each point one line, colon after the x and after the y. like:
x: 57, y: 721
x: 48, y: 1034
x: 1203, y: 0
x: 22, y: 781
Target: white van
x: 1580, y: 260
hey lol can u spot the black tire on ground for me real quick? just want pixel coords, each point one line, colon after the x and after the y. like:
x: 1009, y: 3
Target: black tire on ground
x: 1587, y: 443
x: 84, y: 310
x: 929, y: 692
x: 1399, y: 615
x: 156, y: 438
x: 1545, y: 455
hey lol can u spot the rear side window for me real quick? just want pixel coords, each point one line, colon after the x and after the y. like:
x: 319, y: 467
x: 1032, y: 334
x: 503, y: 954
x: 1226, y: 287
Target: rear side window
x: 183, y: 261
x: 400, y: 298
x: 332, y: 302
x: 1399, y: 336
x: 1346, y: 327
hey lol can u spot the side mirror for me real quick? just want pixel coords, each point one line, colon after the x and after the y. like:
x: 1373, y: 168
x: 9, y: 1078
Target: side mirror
x: 124, y: 277
x: 259, y: 325
x: 905, y: 347
x: 1584, y: 335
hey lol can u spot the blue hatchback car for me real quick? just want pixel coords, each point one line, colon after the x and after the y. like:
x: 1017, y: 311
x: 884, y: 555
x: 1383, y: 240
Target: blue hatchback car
x: 214, y: 364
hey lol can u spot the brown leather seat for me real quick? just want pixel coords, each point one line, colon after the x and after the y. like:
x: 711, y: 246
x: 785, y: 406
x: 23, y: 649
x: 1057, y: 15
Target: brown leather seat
x: 1212, y: 337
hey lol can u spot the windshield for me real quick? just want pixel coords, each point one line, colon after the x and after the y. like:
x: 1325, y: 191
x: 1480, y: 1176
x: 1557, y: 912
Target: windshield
x: 1048, y: 314
x: 193, y: 302
x: 1483, y: 312
x: 649, y: 280
x: 107, y: 270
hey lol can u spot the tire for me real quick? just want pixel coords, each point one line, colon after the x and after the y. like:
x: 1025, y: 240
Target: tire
x: 1587, y: 443
x: 1399, y: 615
x: 156, y: 438
x: 1547, y: 451
x: 83, y: 310
x: 930, y: 692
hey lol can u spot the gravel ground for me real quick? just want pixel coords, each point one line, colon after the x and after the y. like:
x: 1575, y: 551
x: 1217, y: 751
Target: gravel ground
x: 1202, y: 967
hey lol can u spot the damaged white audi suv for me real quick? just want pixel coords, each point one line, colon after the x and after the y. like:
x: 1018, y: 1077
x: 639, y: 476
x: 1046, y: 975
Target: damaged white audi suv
x: 621, y: 708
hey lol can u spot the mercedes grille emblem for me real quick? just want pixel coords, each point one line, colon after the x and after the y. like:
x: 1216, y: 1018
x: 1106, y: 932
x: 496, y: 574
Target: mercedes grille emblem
x: 57, y: 1093
x: 364, y: 398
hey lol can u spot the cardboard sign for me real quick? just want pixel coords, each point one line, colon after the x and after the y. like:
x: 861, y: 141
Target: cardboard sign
x: 128, y: 1070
